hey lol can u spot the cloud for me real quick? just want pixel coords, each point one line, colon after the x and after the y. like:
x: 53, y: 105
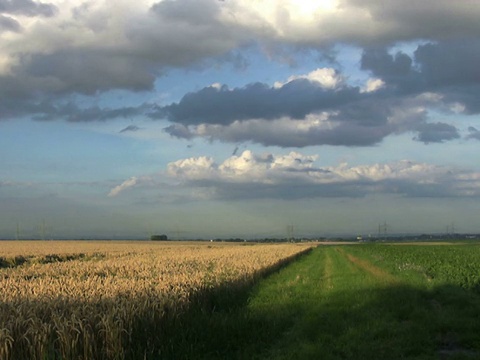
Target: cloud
x: 179, y: 131
x: 363, y: 119
x: 9, y: 24
x: 447, y: 68
x: 359, y: 22
x: 327, y: 78
x: 314, y: 130
x: 295, y: 99
x: 138, y: 182
x: 129, y: 183
x: 71, y: 112
x: 130, y: 128
x: 473, y: 133
x: 436, y: 133
x: 90, y: 48
x: 295, y: 176
x: 291, y: 113
x: 392, y: 68
x: 27, y: 8
x: 373, y: 85
x: 15, y: 184
x: 450, y: 63
x: 51, y: 52
x: 396, y: 99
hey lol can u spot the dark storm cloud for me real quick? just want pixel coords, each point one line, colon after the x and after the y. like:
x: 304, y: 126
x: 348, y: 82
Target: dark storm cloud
x: 184, y: 33
x: 436, y: 133
x: 130, y: 128
x: 394, y: 20
x: 449, y: 63
x: 179, y: 131
x: 346, y: 135
x: 186, y: 11
x: 466, y: 96
x: 88, y: 72
x: 43, y: 79
x: 95, y: 52
x: 271, y: 134
x: 357, y: 118
x: 370, y: 110
x: 393, y: 69
x: 9, y: 24
x: 385, y: 65
x: 295, y: 99
x: 12, y: 106
x: 92, y: 50
x: 169, y: 35
x: 27, y: 8
x: 449, y: 68
x: 473, y: 133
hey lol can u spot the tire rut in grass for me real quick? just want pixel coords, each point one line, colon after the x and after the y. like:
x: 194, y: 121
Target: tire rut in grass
x: 347, y: 307
x: 378, y: 273
x: 328, y: 272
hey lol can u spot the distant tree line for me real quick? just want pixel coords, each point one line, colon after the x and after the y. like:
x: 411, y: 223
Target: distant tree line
x: 159, y: 237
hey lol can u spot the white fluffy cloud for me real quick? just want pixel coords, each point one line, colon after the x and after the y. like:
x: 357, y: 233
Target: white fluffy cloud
x: 247, y: 167
x: 295, y: 175
x: 373, y: 85
x: 123, y: 186
x: 327, y: 78
x: 133, y: 182
x: 357, y: 21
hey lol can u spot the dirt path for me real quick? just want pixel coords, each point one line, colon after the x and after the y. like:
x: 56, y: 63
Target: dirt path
x: 328, y: 273
x: 377, y: 272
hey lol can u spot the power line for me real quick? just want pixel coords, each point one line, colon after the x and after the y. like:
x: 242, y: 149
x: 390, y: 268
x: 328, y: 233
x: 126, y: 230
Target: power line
x: 451, y: 229
x: 383, y: 230
x: 290, y: 230
x: 17, y: 232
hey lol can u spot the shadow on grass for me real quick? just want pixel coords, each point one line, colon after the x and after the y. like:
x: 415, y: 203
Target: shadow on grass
x: 397, y: 322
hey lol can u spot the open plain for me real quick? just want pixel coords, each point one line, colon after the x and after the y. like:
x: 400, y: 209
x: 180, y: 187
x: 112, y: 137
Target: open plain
x: 202, y: 300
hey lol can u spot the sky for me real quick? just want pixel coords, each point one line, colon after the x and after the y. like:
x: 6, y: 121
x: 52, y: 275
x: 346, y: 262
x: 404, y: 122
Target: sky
x: 238, y: 118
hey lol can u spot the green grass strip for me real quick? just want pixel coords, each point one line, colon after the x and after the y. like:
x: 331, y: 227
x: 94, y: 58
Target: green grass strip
x: 336, y: 306
x: 335, y: 303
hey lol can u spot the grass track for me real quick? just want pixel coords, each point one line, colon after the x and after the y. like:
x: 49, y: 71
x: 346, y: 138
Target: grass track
x: 348, y: 308
x: 336, y: 304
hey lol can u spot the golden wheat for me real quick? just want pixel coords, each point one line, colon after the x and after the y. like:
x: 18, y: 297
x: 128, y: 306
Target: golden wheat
x: 91, y: 306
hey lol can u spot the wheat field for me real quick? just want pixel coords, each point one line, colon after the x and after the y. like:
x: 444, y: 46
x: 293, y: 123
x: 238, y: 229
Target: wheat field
x: 115, y: 300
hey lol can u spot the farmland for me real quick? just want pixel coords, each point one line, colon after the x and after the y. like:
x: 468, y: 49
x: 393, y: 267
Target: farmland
x: 370, y: 302
x: 107, y: 300
x: 124, y: 300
